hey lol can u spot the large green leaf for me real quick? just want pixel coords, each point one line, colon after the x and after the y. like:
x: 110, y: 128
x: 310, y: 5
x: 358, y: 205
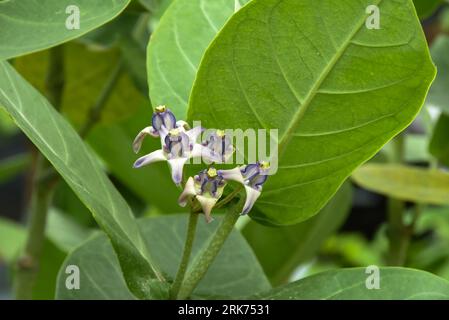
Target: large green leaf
x: 176, y: 48
x: 234, y: 273
x: 31, y: 25
x: 405, y: 183
x: 438, y: 94
x: 350, y: 284
x: 336, y: 90
x: 61, y: 145
x: 439, y: 144
x: 281, y: 250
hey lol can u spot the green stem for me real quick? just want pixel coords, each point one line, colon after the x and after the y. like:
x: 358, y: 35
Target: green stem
x: 191, y: 229
x: 28, y: 264
x: 398, y: 233
x: 207, y: 255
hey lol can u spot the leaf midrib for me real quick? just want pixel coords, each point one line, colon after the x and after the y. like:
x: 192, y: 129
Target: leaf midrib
x: 299, y: 114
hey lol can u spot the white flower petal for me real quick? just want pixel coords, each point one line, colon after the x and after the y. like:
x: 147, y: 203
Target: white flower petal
x: 251, y: 197
x: 176, y: 166
x: 207, y: 204
x: 232, y: 174
x: 189, y: 191
x: 137, y: 144
x: 154, y: 156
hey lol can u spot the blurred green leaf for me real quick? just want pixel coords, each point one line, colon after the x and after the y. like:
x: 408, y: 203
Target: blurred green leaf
x: 7, y: 126
x: 287, y: 73
x: 281, y: 250
x: 439, y: 94
x: 405, y: 183
x: 353, y: 249
x: 28, y: 25
x: 426, y: 8
x: 62, y: 146
x: 11, y: 166
x: 134, y: 57
x: 439, y: 144
x: 86, y: 73
x: 112, y: 33
x: 177, y: 46
x: 234, y: 273
x: 12, y: 240
x: 350, y: 284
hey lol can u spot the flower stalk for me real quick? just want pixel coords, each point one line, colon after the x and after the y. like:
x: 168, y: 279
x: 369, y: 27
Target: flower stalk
x: 191, y: 230
x: 209, y: 252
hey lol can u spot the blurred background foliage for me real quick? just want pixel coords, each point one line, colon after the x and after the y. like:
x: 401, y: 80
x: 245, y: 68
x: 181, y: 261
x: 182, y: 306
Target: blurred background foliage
x: 350, y: 231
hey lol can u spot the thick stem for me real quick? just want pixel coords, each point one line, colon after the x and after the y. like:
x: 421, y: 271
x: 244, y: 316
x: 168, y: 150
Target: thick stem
x: 28, y: 264
x: 191, y: 229
x: 207, y: 255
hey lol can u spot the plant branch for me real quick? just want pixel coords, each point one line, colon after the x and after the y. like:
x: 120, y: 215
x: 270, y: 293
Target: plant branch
x: 191, y: 229
x: 207, y: 255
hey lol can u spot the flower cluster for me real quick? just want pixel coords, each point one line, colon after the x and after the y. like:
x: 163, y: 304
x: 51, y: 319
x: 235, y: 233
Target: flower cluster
x: 179, y: 144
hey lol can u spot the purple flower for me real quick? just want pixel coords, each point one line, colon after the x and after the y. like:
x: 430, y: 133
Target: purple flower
x: 220, y: 144
x: 162, y: 121
x: 207, y: 187
x: 252, y: 177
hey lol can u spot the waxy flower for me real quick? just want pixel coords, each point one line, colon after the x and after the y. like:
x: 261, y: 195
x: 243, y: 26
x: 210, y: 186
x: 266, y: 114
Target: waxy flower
x: 252, y: 176
x: 220, y: 144
x: 179, y: 146
x: 207, y: 187
x: 162, y: 122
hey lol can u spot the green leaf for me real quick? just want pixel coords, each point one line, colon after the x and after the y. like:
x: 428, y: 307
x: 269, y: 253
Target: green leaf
x: 405, y: 183
x: 177, y: 45
x: 335, y: 90
x: 13, y: 165
x: 438, y: 94
x: 350, y: 284
x: 100, y: 274
x: 439, y: 144
x: 61, y: 145
x: 281, y: 250
x: 28, y: 25
x: 64, y: 232
x: 101, y: 277
x: 426, y: 8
